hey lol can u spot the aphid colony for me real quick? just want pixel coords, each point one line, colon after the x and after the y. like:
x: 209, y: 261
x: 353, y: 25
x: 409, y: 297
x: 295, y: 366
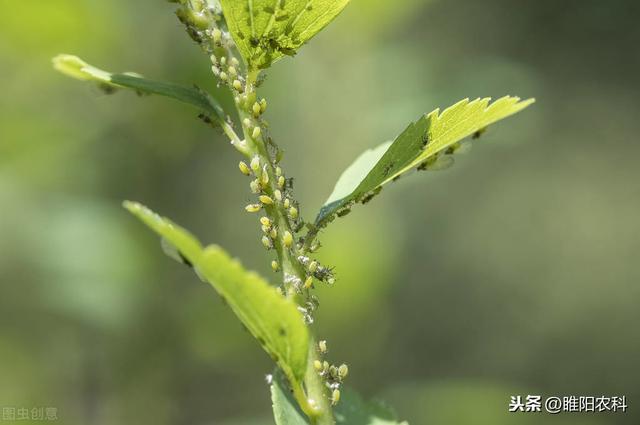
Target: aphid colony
x: 332, y: 375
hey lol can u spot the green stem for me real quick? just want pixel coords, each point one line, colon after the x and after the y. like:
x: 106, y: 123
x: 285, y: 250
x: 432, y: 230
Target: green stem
x: 313, y: 398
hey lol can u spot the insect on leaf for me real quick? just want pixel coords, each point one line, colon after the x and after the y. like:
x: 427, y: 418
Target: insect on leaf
x: 267, y: 30
x: 272, y: 319
x: 75, y: 67
x: 424, y: 144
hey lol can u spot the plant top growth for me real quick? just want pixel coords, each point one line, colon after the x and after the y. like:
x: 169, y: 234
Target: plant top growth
x: 242, y: 39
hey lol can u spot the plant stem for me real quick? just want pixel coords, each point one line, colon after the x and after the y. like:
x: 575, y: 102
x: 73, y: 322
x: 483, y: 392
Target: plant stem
x: 313, y: 398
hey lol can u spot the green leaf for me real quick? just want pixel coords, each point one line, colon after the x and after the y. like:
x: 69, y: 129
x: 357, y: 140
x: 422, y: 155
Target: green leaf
x: 75, y: 67
x: 267, y: 30
x: 351, y: 410
x: 285, y: 408
x: 271, y: 318
x: 424, y: 144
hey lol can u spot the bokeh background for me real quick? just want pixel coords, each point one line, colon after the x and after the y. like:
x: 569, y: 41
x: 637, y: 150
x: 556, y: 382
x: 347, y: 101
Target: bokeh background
x: 514, y: 272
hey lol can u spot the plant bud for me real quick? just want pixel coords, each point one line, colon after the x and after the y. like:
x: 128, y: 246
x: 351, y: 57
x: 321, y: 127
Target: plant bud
x: 286, y: 203
x: 278, y: 171
x: 287, y: 239
x: 232, y: 71
x: 237, y: 85
x: 244, y: 168
x: 281, y: 182
x: 252, y: 208
x: 246, y: 122
x: 234, y: 62
x: 223, y: 60
x: 263, y: 106
x: 256, y: 132
x: 275, y: 266
x: 278, y: 195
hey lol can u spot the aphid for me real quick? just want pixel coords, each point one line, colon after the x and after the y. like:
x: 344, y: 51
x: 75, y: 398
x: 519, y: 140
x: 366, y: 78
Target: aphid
x: 267, y: 242
x: 237, y: 85
x: 343, y: 211
x: 216, y: 34
x: 322, y: 346
x: 269, y: 379
x: 252, y: 208
x: 256, y: 132
x: 343, y: 371
x: 313, y: 266
x: 335, y: 397
x: 266, y: 200
x: 255, y: 164
x: 244, y: 168
x: 265, y: 229
x: 235, y: 62
x: 293, y: 213
x: 331, y: 281
x: 265, y: 221
x: 278, y: 195
x: 246, y: 122
x: 257, y: 110
x: 317, y: 365
x: 308, y: 282
x: 479, y: 133
x: 263, y: 105
x: 275, y: 266
x: 333, y: 371
x: 286, y: 203
x: 281, y: 182
x: 264, y: 178
x: 223, y: 76
x: 287, y: 239
x: 255, y: 186
x: 278, y: 171
x: 223, y: 60
x: 232, y: 71
x: 273, y: 233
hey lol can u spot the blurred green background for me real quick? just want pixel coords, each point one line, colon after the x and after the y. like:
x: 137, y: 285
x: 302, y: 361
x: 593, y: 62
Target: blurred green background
x: 514, y: 272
